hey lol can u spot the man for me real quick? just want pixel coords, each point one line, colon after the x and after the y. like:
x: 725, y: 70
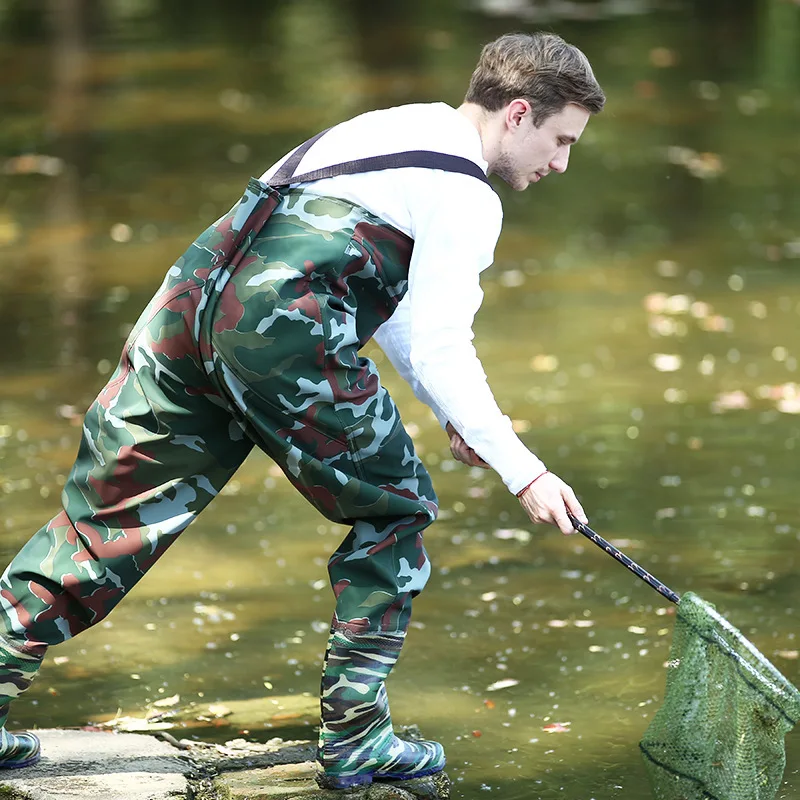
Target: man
x: 379, y: 226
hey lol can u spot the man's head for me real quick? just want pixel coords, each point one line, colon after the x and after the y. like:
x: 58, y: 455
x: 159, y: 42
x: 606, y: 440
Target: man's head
x: 534, y: 94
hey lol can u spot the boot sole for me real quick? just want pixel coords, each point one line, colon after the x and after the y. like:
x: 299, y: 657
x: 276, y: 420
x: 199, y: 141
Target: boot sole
x: 366, y: 778
x: 29, y: 762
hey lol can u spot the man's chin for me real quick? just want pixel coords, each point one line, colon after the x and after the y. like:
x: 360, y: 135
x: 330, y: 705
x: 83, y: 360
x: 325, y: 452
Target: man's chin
x: 515, y: 182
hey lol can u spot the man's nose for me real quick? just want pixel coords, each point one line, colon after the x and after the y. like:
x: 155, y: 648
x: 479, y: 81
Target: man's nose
x: 560, y: 160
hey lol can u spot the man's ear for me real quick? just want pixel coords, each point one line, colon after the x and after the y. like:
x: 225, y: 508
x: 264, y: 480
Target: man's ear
x: 516, y: 112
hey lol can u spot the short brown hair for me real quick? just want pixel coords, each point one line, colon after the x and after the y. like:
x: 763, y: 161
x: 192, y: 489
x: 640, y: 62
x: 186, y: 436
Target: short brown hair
x: 539, y: 67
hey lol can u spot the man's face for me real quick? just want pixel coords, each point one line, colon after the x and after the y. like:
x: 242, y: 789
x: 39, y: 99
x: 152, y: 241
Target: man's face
x: 528, y: 153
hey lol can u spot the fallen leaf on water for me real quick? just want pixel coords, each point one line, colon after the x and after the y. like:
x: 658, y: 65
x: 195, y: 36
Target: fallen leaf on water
x: 666, y: 362
x: 544, y: 363
x: 789, y: 405
x: 134, y: 724
x: 504, y: 684
x: 34, y: 164
x: 677, y: 304
x: 167, y: 702
x: 716, y: 323
x: 655, y: 302
x: 557, y: 727
x: 706, y: 165
x: 730, y: 401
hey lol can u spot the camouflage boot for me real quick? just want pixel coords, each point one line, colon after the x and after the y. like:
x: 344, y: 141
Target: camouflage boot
x: 356, y: 742
x: 18, y: 667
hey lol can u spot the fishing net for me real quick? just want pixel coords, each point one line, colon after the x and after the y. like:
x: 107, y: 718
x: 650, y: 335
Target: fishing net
x: 719, y: 734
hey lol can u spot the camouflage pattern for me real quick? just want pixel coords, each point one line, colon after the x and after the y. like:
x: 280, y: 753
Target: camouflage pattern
x: 253, y: 338
x: 18, y: 749
x: 356, y: 740
x: 19, y: 664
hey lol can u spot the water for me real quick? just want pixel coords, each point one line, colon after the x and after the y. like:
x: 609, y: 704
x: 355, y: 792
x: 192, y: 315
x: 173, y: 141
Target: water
x: 639, y: 325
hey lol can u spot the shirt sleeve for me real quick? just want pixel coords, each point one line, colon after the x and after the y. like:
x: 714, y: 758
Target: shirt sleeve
x: 456, y: 225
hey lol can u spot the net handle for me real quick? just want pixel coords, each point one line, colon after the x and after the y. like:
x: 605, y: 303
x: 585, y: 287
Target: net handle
x: 640, y: 572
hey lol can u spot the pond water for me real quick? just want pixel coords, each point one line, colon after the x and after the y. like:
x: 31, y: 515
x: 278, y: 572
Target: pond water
x: 639, y: 326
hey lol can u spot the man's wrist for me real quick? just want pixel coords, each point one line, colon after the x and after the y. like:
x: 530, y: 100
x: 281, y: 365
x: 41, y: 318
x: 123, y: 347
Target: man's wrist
x: 522, y: 491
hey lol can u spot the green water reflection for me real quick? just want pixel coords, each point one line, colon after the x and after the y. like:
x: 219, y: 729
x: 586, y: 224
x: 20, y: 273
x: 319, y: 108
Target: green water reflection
x: 639, y: 325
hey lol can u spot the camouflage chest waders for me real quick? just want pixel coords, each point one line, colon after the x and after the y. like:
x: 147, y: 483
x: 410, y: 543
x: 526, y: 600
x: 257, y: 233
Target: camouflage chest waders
x: 253, y: 338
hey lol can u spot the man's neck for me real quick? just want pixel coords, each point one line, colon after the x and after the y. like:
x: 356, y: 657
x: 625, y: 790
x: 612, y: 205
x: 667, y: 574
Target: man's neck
x: 486, y: 124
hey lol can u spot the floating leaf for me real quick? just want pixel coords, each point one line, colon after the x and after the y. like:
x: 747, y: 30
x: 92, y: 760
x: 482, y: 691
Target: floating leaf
x: 506, y: 683
x: 789, y: 405
x: 557, y: 727
x: 168, y: 702
x: 666, y: 362
x: 544, y: 363
x: 730, y: 401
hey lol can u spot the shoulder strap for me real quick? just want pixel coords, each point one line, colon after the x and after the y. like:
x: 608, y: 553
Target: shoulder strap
x: 427, y: 159
x: 287, y: 169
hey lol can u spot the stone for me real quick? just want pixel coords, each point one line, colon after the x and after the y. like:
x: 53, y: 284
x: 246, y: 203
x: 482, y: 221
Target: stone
x: 83, y: 764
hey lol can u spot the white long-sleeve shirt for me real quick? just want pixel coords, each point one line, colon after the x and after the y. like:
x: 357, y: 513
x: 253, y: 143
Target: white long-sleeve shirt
x: 455, y: 222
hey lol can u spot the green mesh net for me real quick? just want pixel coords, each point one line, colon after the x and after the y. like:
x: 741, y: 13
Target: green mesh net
x: 719, y: 734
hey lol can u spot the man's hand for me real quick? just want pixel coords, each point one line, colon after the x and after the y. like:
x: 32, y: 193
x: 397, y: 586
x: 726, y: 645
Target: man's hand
x: 547, y: 500
x: 462, y: 451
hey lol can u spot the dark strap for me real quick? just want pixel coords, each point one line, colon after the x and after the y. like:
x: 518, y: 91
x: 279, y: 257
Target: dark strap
x: 427, y: 159
x: 282, y: 176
